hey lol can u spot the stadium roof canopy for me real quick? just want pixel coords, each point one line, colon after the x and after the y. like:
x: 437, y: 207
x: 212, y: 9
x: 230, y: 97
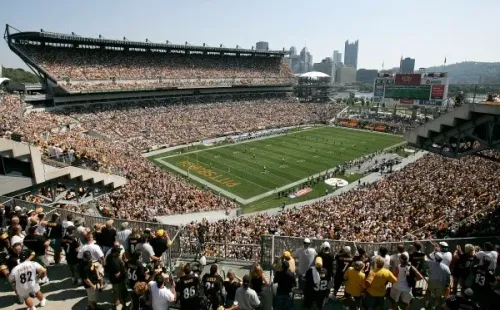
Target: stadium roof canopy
x: 75, y: 40
x: 3, y: 80
x: 314, y: 75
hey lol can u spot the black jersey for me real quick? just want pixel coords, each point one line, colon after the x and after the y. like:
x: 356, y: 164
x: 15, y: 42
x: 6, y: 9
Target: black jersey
x: 343, y: 261
x: 417, y: 260
x: 189, y: 289
x: 70, y: 244
x: 36, y: 243
x: 136, y: 272
x: 212, y: 284
x: 483, y: 278
x: 328, y: 259
x: 366, y: 261
x: 54, y: 230
x: 464, y: 265
x: 132, y: 243
x: 456, y: 302
x: 322, y: 285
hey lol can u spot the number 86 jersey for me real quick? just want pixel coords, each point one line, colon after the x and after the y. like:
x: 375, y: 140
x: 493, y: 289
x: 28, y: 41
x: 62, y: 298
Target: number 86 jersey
x: 25, y: 275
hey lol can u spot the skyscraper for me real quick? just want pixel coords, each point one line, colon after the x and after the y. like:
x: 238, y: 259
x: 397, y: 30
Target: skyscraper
x: 407, y: 65
x: 337, y: 57
x: 351, y: 54
x: 261, y: 45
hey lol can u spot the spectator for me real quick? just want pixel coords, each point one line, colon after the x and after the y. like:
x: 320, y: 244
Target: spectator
x: 407, y: 276
x: 439, y: 280
x: 316, y: 285
x: 117, y: 276
x: 464, y: 261
x: 108, y: 235
x: 231, y: 285
x: 123, y: 235
x: 306, y: 256
x: 246, y: 298
x: 38, y: 244
x: 160, y: 296
x: 90, y: 278
x: 354, y: 285
x: 376, y: 283
x: 286, y: 282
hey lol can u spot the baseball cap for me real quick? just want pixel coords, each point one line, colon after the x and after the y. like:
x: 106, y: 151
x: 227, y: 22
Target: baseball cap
x: 287, y: 255
x: 159, y: 233
x: 17, y: 209
x: 443, y: 244
x: 318, y: 261
x: 438, y: 256
x: 29, y: 212
x: 347, y: 249
x: 307, y: 240
x: 325, y: 245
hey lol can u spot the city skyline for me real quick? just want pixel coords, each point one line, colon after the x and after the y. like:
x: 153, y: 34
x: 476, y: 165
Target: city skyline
x: 384, y: 36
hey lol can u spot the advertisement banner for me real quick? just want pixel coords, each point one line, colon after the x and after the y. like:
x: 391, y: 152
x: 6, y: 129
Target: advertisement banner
x: 408, y: 79
x: 301, y: 192
x: 437, y: 91
x: 406, y: 101
x: 379, y: 91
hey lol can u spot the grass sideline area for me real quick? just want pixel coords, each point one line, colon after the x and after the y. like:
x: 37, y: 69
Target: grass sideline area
x: 238, y: 168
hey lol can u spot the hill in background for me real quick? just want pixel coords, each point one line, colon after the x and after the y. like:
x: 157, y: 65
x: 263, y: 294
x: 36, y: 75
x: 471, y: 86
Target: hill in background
x: 471, y: 72
x: 18, y: 75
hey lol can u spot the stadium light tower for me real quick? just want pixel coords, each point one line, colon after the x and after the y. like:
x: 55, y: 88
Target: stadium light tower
x: 168, y: 42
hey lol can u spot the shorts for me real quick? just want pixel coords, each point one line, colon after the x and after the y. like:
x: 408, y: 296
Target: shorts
x: 436, y: 290
x: 373, y: 301
x: 100, y: 269
x: 23, y: 294
x: 91, y: 294
x: 401, y: 296
x: 119, y: 291
x: 55, y: 244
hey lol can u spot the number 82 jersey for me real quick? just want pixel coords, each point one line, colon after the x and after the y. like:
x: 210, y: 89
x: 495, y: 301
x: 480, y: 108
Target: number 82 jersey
x: 25, y: 275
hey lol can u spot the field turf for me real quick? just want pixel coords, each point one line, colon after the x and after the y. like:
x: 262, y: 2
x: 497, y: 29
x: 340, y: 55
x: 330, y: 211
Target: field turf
x: 239, y: 168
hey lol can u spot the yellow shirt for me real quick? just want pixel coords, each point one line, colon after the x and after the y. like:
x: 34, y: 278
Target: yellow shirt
x: 355, y: 282
x: 378, y: 281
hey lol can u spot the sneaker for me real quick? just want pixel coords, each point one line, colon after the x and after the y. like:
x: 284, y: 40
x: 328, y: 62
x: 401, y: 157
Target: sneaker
x: 43, y: 302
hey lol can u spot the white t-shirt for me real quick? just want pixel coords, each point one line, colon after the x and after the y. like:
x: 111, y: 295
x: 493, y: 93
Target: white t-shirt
x: 402, y: 283
x: 387, y: 260
x: 26, y: 276
x: 160, y: 297
x: 306, y: 259
x: 493, y: 256
x: 94, y: 249
x: 65, y: 225
x: 395, y: 259
x: 447, y: 257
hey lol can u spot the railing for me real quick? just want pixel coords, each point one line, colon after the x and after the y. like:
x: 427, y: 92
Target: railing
x: 90, y: 221
x: 274, y: 246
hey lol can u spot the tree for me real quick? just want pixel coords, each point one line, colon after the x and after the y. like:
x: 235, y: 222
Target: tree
x: 18, y: 75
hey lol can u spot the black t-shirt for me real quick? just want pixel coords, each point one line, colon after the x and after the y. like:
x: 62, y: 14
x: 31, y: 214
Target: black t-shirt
x: 256, y: 283
x: 159, y: 246
x: 115, y: 266
x: 328, y: 259
x: 417, y: 260
x: 23, y: 221
x: 231, y: 288
x: 88, y: 271
x: 286, y: 282
x: 35, y: 243
x: 343, y: 261
x: 189, y: 289
x: 455, y: 302
x: 108, y: 236
x: 98, y: 238
x: 54, y: 230
x: 3, y: 261
x: 136, y: 272
x: 70, y: 244
x: 13, y: 258
x: 320, y: 287
x: 464, y: 265
x: 212, y: 284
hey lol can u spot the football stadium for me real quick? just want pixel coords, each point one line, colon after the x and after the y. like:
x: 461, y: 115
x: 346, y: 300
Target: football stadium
x: 151, y: 159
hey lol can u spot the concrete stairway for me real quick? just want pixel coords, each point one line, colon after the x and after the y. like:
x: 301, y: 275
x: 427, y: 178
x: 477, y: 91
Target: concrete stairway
x: 44, y: 172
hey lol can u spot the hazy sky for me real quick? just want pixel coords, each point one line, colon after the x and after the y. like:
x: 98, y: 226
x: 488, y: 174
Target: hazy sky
x: 425, y: 30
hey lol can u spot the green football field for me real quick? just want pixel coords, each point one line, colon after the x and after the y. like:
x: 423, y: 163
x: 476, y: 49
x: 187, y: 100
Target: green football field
x: 239, y: 168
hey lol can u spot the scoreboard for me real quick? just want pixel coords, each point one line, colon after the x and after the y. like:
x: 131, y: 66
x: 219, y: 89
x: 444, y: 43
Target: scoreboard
x: 417, y: 92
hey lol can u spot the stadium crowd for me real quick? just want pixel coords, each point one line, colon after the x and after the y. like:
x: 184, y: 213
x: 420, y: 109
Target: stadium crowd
x: 150, y: 191
x: 98, y: 70
x: 135, y: 265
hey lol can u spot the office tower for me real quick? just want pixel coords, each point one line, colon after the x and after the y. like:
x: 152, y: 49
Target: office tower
x: 351, y: 54
x: 407, y: 65
x: 337, y: 57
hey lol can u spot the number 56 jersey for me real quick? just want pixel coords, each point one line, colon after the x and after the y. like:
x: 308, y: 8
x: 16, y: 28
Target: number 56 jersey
x: 25, y: 275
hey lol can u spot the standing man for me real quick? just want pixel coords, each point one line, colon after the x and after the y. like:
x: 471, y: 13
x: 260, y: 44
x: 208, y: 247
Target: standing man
x: 108, y: 235
x: 90, y: 278
x: 316, y: 285
x: 117, y: 276
x: 54, y: 233
x: 159, y: 243
x: 37, y: 244
x: 213, y: 283
x: 24, y: 277
x: 286, y: 282
x: 343, y: 260
x: 136, y: 272
x: 306, y: 256
x: 160, y: 297
x: 376, y: 283
x: 439, y: 280
x: 71, y: 245
x: 407, y: 276
x: 123, y: 235
x: 245, y: 297
x: 189, y: 290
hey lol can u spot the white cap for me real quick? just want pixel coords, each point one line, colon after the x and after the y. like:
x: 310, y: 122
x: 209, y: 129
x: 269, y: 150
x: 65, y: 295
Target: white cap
x: 307, y: 240
x: 347, y: 249
x: 444, y: 244
x: 17, y: 208
x: 203, y: 260
x: 438, y: 256
x: 325, y: 245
